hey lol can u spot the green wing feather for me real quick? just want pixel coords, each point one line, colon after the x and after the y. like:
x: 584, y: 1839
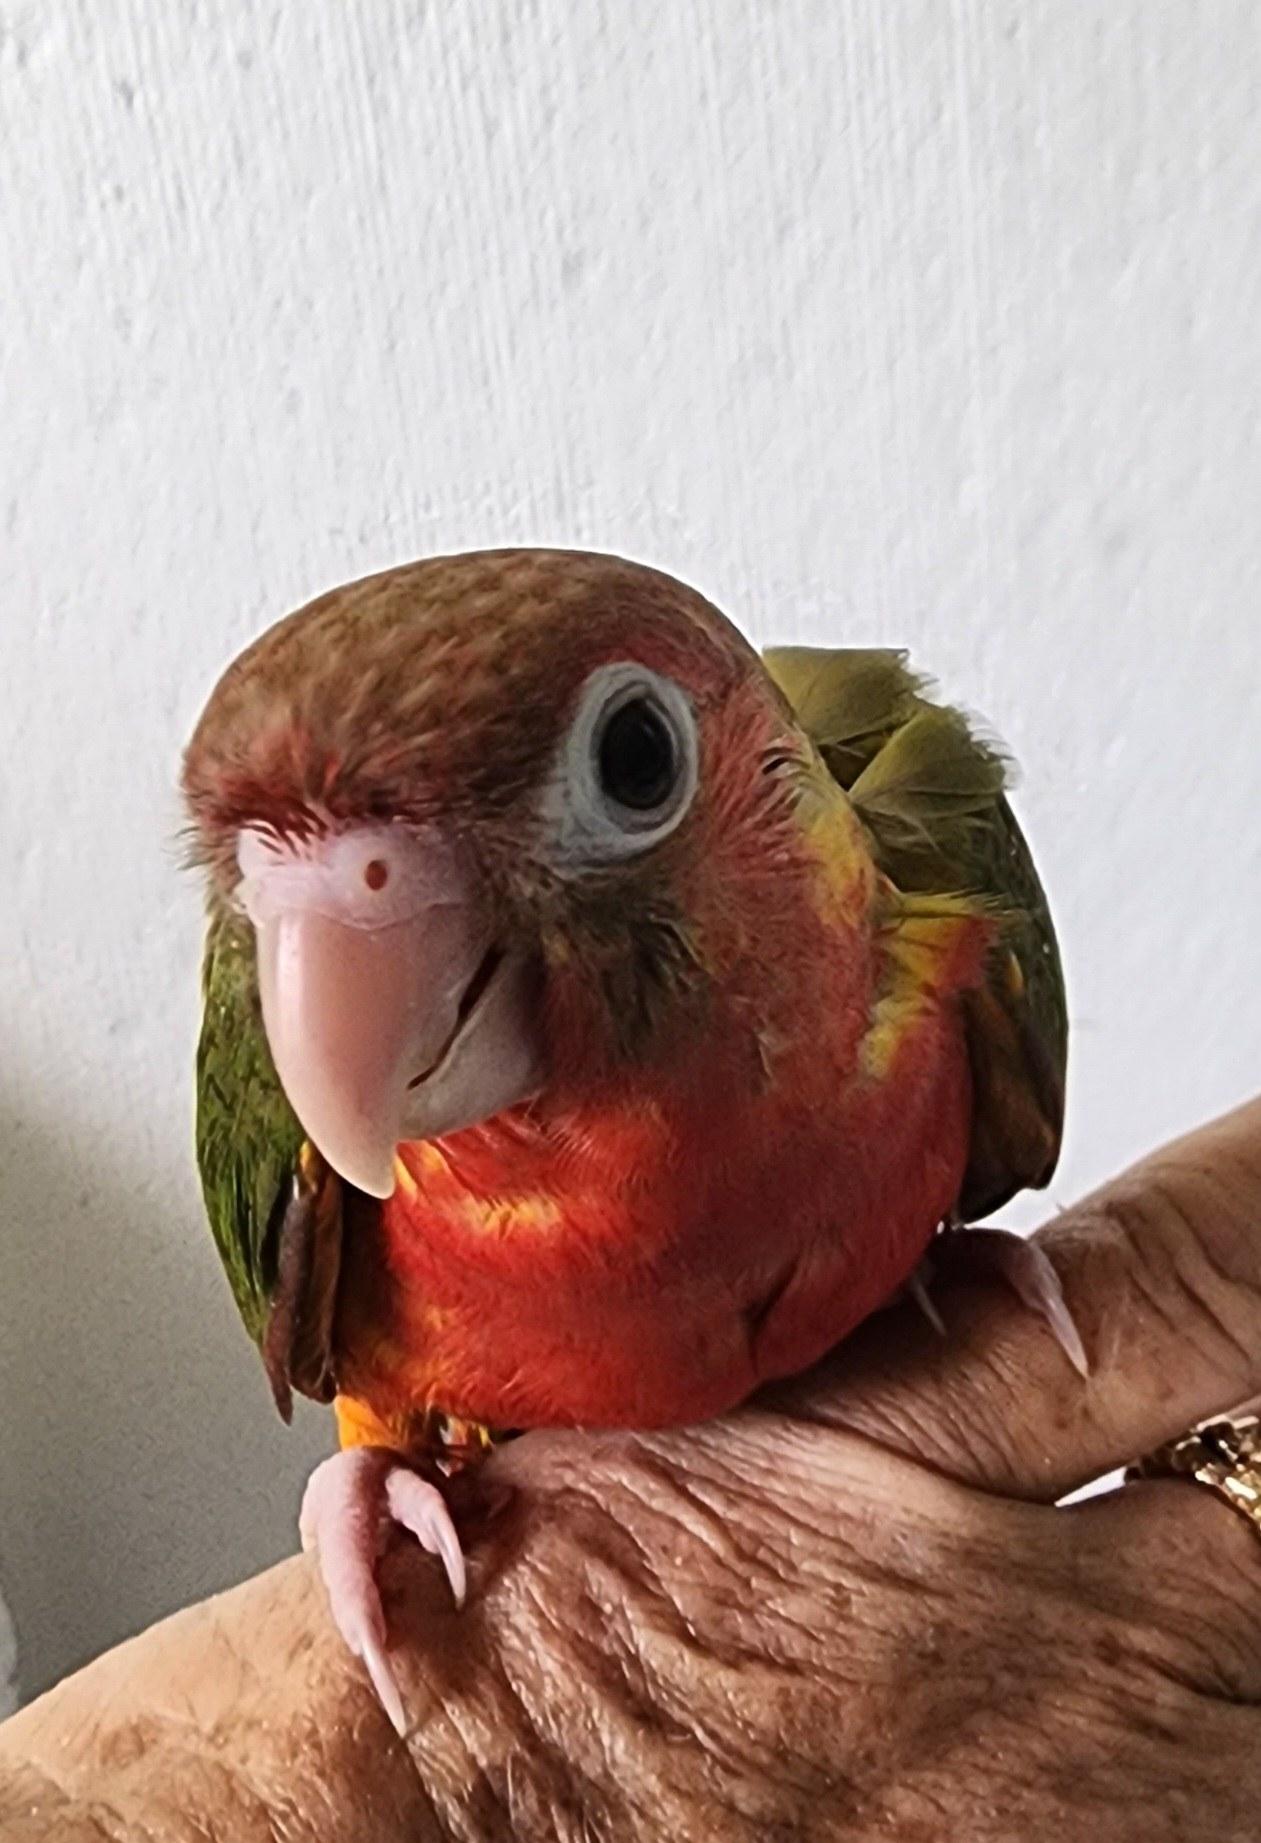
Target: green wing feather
x: 931, y: 794
x: 274, y: 1208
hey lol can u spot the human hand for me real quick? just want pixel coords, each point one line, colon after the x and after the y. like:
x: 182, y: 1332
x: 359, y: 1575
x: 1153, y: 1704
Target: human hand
x: 849, y: 1611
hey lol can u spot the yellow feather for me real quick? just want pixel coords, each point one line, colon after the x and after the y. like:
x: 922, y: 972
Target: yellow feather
x: 924, y: 934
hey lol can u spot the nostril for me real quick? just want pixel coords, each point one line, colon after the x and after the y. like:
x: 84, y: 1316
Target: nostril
x: 376, y: 873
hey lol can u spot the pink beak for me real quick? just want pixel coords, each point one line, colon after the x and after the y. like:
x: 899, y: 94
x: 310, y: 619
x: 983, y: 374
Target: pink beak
x: 389, y: 1011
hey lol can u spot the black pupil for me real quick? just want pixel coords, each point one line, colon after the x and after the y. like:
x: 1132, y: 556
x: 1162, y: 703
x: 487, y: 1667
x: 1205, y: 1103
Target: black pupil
x: 637, y: 756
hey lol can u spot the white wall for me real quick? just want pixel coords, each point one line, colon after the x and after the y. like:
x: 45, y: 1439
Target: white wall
x: 922, y: 322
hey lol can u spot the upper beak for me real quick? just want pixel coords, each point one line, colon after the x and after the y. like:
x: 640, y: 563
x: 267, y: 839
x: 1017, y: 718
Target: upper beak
x: 379, y: 1033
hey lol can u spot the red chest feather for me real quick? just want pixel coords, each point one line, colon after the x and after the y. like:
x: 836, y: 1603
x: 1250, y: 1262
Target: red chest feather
x: 651, y: 1262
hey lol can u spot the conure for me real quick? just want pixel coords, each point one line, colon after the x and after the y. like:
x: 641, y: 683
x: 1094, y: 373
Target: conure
x: 599, y: 1019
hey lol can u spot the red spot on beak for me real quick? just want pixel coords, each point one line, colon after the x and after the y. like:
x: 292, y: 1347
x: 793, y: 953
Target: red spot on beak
x: 376, y: 874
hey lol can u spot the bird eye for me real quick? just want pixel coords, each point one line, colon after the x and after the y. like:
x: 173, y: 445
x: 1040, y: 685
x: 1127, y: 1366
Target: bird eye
x: 637, y: 755
x: 627, y: 769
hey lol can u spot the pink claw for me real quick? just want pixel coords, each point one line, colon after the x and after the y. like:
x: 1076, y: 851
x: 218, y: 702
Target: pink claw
x: 917, y: 1287
x: 351, y: 1502
x: 1027, y: 1269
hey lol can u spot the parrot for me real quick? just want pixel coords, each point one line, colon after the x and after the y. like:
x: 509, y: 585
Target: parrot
x: 600, y: 1019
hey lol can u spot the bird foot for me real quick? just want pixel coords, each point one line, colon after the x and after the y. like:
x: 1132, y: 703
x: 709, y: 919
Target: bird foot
x: 1026, y: 1268
x: 351, y: 1503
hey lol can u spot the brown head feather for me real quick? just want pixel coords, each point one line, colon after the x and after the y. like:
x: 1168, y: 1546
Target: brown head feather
x: 443, y: 683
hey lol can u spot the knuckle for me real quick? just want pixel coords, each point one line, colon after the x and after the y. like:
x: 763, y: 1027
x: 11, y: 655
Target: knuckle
x: 1180, y: 1569
x: 1193, y: 1267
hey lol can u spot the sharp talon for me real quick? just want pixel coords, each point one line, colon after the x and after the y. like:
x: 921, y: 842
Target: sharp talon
x: 421, y: 1508
x: 384, y: 1682
x: 350, y: 1502
x: 917, y: 1287
x: 1043, y: 1293
x: 453, y: 1561
x: 1027, y: 1269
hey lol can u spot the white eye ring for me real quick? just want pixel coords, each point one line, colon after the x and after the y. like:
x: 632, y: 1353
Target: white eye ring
x: 589, y: 825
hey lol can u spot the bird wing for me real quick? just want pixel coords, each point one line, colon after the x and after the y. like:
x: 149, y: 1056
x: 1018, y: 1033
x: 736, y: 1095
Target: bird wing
x: 274, y: 1206
x: 931, y: 794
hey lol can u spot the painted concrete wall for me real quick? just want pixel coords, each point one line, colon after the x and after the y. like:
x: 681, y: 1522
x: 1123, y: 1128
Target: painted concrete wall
x: 923, y: 322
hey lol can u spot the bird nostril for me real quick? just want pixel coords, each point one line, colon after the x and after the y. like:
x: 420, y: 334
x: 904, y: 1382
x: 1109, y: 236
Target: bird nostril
x: 376, y: 874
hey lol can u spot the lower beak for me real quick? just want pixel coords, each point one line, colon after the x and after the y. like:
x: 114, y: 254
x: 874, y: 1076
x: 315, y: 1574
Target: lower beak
x: 406, y: 1031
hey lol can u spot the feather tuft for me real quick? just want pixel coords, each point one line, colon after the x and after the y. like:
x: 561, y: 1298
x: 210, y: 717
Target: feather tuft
x: 931, y: 792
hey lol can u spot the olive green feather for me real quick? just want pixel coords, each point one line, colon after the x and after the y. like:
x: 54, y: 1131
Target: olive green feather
x: 274, y: 1208
x: 931, y: 794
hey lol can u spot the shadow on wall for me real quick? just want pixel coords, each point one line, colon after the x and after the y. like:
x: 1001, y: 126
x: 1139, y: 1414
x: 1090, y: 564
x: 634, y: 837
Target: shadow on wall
x: 8, y: 1664
x: 120, y: 1360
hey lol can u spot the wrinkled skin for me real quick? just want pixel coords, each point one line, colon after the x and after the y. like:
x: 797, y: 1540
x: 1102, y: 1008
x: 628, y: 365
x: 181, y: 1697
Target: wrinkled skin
x: 848, y: 1612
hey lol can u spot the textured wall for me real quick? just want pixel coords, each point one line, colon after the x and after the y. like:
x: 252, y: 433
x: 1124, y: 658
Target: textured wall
x: 937, y: 323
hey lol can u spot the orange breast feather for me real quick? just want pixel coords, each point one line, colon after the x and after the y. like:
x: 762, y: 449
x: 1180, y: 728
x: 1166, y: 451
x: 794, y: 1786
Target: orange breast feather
x: 648, y: 1260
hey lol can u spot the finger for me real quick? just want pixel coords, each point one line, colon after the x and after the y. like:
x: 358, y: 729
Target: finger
x: 1179, y: 1570
x: 1161, y: 1272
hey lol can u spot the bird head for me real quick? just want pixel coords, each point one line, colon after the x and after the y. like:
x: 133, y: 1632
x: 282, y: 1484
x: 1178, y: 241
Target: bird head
x: 503, y: 825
